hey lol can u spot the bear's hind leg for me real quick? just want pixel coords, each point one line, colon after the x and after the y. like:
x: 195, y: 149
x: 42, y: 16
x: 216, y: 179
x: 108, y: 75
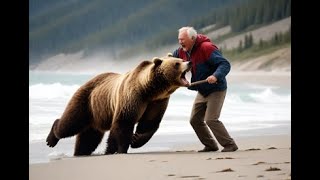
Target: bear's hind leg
x: 62, y: 129
x: 87, y: 141
x: 74, y: 120
x: 52, y: 140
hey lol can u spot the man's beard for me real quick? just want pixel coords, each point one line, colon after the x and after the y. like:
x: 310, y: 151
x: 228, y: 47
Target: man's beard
x: 184, y: 48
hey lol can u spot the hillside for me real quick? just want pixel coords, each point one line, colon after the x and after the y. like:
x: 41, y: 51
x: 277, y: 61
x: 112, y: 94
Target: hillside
x: 69, y: 26
x: 264, y: 33
x: 128, y: 28
x: 278, y: 60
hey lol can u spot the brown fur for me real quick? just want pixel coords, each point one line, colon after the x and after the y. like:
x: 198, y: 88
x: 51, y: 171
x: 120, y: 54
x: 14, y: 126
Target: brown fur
x: 116, y: 102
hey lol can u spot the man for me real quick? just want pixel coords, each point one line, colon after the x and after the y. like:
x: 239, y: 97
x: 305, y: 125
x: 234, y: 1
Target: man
x: 207, y: 63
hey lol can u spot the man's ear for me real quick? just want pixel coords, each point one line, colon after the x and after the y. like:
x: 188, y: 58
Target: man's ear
x: 157, y: 61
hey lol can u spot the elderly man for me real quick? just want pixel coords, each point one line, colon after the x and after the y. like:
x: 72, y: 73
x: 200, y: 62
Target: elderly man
x: 207, y: 63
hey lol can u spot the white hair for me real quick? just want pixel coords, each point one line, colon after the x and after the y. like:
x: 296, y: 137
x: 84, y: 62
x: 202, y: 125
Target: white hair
x: 190, y: 31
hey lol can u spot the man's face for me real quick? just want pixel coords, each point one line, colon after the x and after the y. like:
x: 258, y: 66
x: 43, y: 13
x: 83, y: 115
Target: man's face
x: 185, y: 42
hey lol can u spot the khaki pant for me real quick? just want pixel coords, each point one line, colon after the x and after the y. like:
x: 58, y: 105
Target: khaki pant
x: 205, y: 119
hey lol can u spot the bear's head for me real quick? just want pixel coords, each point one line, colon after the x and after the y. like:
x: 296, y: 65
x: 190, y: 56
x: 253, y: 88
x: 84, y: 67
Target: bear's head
x: 159, y: 78
x: 171, y: 70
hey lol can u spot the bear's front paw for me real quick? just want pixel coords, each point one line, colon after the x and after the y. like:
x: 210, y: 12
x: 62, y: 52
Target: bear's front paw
x: 136, y: 141
x: 112, y: 147
x: 135, y: 138
x: 109, y: 153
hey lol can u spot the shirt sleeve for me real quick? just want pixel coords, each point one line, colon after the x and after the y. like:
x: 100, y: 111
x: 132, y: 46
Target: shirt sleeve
x: 176, y: 53
x: 223, y: 65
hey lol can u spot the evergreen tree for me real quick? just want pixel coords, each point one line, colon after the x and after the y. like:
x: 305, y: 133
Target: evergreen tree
x: 240, y: 47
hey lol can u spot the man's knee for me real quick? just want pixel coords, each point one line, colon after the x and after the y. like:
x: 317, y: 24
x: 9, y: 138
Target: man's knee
x: 196, y: 121
x: 212, y: 122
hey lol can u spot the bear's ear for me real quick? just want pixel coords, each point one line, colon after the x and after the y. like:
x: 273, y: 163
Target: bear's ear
x: 157, y: 61
x: 170, y: 55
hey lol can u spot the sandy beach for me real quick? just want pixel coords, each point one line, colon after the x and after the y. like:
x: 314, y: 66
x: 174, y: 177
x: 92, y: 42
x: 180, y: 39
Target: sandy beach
x: 258, y: 157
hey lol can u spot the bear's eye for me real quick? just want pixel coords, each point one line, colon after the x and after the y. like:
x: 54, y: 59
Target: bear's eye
x: 176, y: 66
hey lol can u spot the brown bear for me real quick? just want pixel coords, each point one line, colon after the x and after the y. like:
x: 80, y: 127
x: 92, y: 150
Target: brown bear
x: 116, y: 102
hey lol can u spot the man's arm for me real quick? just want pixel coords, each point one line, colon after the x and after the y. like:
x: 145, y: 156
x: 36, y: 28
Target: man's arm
x: 223, y: 65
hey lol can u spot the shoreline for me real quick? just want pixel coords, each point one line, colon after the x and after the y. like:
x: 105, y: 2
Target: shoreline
x: 275, y: 78
x: 255, y: 156
x: 40, y: 153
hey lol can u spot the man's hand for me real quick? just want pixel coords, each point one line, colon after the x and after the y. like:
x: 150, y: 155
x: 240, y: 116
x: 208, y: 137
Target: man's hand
x: 212, y: 79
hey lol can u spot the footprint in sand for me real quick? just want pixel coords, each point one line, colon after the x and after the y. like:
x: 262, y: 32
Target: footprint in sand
x: 189, y: 176
x: 273, y: 169
x: 272, y: 148
x: 224, y: 158
x: 253, y: 149
x: 226, y: 170
x: 260, y: 162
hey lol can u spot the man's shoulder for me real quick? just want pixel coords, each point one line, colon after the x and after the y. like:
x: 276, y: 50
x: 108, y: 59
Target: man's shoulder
x: 208, y: 46
x: 178, y: 52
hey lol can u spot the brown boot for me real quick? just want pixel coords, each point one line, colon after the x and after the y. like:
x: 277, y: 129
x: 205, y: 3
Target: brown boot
x: 208, y: 149
x: 230, y: 148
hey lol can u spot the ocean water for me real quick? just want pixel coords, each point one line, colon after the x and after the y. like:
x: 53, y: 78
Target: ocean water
x: 249, y: 109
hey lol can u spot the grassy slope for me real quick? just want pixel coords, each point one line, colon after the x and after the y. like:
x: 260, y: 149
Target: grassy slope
x: 276, y: 57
